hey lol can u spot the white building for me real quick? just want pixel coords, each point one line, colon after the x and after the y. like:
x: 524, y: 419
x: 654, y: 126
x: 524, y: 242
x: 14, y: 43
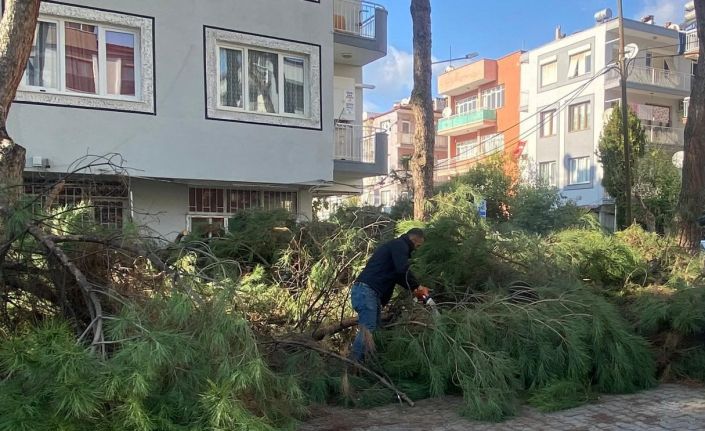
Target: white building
x: 569, y: 87
x: 214, y: 106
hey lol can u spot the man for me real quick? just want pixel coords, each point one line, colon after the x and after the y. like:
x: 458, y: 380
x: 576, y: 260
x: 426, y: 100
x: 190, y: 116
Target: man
x: 388, y: 266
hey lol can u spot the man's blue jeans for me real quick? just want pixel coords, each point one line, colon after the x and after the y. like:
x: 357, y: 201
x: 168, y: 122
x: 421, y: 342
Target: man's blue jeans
x: 366, y: 303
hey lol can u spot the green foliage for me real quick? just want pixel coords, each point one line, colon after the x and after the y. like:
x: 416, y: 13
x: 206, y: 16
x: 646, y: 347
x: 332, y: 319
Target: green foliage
x: 490, y: 181
x: 538, y: 208
x: 611, y: 155
x: 176, y: 366
x: 657, y: 185
x: 402, y: 209
x: 561, y: 395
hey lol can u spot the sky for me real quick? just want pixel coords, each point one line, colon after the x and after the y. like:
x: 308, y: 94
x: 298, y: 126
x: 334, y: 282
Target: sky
x: 492, y: 28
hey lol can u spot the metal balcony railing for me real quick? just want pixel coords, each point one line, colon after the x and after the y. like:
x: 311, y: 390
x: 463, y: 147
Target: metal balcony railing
x: 691, y: 41
x: 672, y: 136
x: 355, y: 17
x: 355, y: 142
x: 656, y: 77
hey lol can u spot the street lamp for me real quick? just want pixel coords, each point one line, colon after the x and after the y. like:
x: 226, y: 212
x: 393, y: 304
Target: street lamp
x: 467, y: 57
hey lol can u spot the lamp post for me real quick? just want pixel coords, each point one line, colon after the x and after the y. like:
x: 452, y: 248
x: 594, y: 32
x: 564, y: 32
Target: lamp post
x: 467, y: 57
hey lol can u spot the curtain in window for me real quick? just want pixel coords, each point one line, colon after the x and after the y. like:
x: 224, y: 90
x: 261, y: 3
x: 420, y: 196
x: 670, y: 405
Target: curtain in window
x: 120, y: 56
x: 263, y: 85
x: 231, y: 78
x: 42, y: 63
x: 294, y: 85
x: 81, y: 58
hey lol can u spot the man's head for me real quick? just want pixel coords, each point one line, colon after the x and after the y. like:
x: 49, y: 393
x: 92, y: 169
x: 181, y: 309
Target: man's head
x: 416, y: 236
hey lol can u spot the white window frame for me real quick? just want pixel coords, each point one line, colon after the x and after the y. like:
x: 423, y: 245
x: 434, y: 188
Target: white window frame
x: 244, y: 50
x: 216, y: 38
x: 142, y: 30
x: 493, y: 98
x: 406, y: 127
x: 466, y: 105
x: 580, y: 63
x: 493, y: 143
x: 542, y: 72
x: 552, y: 116
x: 575, y: 168
x: 552, y: 177
x: 470, y: 149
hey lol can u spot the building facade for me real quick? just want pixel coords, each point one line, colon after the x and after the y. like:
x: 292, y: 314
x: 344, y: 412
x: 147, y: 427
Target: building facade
x: 400, y: 126
x: 482, y: 115
x: 570, y: 87
x: 208, y: 107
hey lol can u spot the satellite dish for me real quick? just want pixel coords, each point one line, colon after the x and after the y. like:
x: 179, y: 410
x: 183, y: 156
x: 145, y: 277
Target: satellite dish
x: 677, y: 159
x: 606, y: 116
x: 447, y: 112
x: 405, y: 101
x: 631, y: 50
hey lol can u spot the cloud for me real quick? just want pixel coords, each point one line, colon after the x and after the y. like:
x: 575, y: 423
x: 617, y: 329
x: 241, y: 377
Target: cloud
x: 393, y: 78
x: 662, y: 10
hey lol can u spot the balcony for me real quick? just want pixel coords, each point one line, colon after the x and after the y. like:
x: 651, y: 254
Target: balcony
x: 461, y: 124
x: 646, y: 78
x: 468, y: 77
x: 360, y: 151
x: 692, y: 46
x: 665, y: 136
x: 360, y: 32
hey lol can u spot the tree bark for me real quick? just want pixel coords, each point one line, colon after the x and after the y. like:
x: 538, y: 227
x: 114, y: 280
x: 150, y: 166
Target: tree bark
x: 692, y: 198
x: 17, y: 26
x: 422, y: 107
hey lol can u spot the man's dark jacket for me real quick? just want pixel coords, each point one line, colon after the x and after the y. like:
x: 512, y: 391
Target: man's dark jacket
x: 388, y: 266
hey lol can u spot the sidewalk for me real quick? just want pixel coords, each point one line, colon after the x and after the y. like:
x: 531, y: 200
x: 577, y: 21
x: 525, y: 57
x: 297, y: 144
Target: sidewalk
x: 669, y: 407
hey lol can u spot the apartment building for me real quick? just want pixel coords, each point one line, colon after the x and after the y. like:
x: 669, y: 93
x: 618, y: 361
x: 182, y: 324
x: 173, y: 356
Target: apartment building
x: 691, y: 44
x: 482, y: 115
x: 209, y: 107
x: 400, y: 126
x: 571, y: 85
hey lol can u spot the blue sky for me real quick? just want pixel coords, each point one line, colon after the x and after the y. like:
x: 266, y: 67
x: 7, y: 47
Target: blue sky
x: 490, y: 28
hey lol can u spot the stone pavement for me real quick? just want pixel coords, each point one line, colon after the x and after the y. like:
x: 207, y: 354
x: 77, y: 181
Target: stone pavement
x: 667, y: 408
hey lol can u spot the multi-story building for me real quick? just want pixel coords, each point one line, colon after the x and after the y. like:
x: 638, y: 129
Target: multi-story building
x: 483, y: 113
x: 400, y: 125
x: 691, y: 46
x: 212, y: 107
x: 572, y: 84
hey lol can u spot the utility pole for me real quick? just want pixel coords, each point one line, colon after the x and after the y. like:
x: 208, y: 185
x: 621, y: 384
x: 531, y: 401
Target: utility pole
x: 625, y: 120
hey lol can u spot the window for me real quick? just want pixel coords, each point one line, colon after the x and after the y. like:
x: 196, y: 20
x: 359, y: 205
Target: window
x: 549, y: 73
x: 93, y: 59
x: 579, y: 64
x: 492, y: 143
x: 386, y: 125
x: 465, y: 105
x: 648, y: 57
x: 549, y: 123
x: 259, y: 79
x: 405, y: 127
x: 230, y: 201
x: 579, y: 170
x: 693, y: 67
x: 579, y: 116
x: 467, y: 149
x: 547, y: 173
x: 107, y: 199
x: 386, y: 198
x: 274, y: 83
x: 493, y: 98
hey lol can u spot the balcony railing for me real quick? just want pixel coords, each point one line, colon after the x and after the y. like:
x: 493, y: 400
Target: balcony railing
x: 691, y: 42
x: 355, y: 17
x: 355, y: 143
x: 656, y: 77
x: 468, y: 121
x: 671, y: 136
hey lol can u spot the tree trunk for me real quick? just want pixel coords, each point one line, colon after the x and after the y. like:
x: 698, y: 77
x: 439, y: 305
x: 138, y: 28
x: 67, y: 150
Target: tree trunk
x: 692, y: 198
x: 17, y: 26
x: 422, y: 107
